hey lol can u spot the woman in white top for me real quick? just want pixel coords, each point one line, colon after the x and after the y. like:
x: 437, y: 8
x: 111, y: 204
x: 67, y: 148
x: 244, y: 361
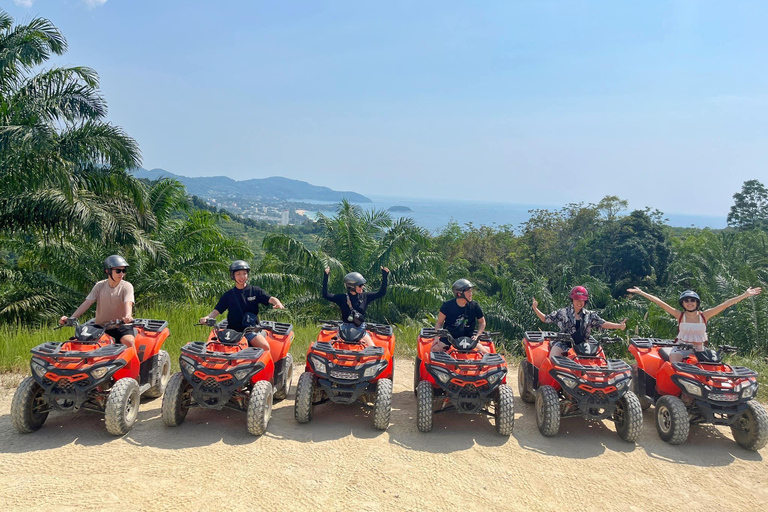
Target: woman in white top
x: 692, y: 323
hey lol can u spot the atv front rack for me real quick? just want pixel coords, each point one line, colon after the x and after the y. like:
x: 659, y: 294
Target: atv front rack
x: 380, y: 329
x: 487, y: 360
x: 431, y: 332
x: 612, y: 365
x: 738, y: 372
x: 324, y: 346
x: 52, y: 349
x: 198, y: 348
x: 280, y: 328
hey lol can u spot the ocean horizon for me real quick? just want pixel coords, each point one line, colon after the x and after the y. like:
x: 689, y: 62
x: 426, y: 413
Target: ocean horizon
x: 436, y: 213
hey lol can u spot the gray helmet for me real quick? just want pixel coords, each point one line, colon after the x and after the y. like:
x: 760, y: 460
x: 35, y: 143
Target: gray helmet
x: 115, y: 261
x: 353, y: 279
x: 460, y: 286
x: 238, y: 265
x: 689, y: 294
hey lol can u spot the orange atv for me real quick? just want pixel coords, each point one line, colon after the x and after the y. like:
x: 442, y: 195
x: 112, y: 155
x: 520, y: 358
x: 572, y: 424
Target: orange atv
x: 462, y: 379
x: 91, y: 371
x: 583, y: 382
x: 700, y: 389
x: 226, y: 372
x: 340, y: 370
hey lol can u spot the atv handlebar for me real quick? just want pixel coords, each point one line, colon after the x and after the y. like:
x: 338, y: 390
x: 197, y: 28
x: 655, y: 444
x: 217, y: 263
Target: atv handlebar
x: 73, y: 322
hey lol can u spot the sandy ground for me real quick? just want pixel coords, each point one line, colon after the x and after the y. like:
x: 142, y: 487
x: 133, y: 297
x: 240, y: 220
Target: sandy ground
x: 339, y: 462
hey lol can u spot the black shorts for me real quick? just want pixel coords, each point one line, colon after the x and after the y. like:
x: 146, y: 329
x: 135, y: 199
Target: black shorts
x: 122, y: 330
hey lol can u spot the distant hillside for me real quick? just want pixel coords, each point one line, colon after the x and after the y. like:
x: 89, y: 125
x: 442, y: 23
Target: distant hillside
x: 265, y: 189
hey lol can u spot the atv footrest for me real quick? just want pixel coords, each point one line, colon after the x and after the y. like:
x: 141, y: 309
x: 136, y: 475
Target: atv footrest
x: 740, y: 372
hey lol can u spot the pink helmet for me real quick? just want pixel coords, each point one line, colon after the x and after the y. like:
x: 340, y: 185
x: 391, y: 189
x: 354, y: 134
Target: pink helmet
x: 579, y: 293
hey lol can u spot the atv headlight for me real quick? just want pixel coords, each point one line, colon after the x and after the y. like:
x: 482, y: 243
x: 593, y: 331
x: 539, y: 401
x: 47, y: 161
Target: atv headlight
x: 690, y: 387
x: 187, y: 364
x: 621, y: 384
x: 442, y: 376
x: 749, y: 391
x: 242, y: 374
x: 101, y: 372
x: 567, y: 381
x: 319, y: 364
x: 494, y: 378
x: 373, y: 370
x: 39, y: 369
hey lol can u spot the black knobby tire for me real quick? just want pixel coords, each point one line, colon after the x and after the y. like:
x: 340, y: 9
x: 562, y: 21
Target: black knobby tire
x: 644, y: 402
x: 672, y: 422
x: 416, y: 376
x: 505, y: 410
x: 382, y: 407
x: 628, y: 417
x: 162, y: 365
x: 281, y: 393
x: 547, y: 411
x: 122, y: 406
x: 176, y: 400
x: 425, y: 397
x: 305, y: 390
x: 523, y: 384
x: 27, y: 400
x: 260, y: 407
x: 751, y: 428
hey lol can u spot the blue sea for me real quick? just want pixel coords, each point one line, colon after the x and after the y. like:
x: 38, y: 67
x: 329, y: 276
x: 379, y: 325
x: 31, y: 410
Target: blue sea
x: 434, y: 214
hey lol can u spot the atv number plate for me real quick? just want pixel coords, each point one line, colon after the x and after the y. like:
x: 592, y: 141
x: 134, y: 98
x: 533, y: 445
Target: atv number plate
x: 336, y: 374
x: 724, y: 397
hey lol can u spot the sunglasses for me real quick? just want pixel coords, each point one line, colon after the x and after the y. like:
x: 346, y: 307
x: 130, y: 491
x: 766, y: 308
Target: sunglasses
x: 119, y: 270
x: 689, y: 300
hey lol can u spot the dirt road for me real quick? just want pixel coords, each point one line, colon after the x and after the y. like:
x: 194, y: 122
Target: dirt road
x: 339, y: 462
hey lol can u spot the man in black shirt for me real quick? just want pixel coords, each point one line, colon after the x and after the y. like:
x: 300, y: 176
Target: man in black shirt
x: 241, y: 301
x: 459, y: 316
x: 355, y: 298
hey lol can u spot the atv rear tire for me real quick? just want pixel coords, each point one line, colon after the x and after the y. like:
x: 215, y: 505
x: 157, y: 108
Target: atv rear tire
x: 305, y: 391
x: 122, y: 406
x: 505, y: 410
x: 547, y: 411
x: 162, y: 367
x: 175, y: 403
x: 751, y: 428
x: 281, y: 393
x: 416, y: 375
x: 260, y: 407
x: 425, y: 397
x: 672, y: 422
x: 523, y: 384
x: 644, y: 402
x: 382, y: 407
x: 27, y: 400
x: 628, y: 417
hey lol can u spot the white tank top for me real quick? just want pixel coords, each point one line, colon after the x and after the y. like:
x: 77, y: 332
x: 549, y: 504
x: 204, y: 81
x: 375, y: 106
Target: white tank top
x: 690, y: 332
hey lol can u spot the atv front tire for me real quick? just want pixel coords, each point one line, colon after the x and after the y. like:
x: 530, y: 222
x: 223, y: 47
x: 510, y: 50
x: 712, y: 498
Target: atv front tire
x: 281, y: 393
x: 505, y: 410
x: 176, y: 401
x: 751, y: 428
x: 547, y: 411
x: 122, y: 406
x: 644, y: 402
x: 628, y: 417
x: 161, y: 368
x: 305, y: 391
x: 523, y: 384
x: 382, y: 407
x: 425, y: 397
x: 260, y: 407
x: 672, y: 422
x: 28, y: 408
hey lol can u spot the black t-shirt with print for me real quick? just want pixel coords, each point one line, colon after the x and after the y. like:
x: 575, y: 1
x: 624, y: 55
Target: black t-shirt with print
x: 240, y: 302
x: 460, y: 321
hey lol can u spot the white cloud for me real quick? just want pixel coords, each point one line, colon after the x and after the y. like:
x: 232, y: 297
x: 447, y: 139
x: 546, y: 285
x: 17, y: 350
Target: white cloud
x: 90, y: 3
x: 24, y: 3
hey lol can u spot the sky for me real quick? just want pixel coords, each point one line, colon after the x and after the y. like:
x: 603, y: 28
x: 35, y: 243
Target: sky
x: 662, y: 103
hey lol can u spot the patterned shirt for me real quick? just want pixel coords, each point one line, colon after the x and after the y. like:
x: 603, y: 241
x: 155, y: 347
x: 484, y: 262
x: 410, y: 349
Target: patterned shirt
x: 564, y: 318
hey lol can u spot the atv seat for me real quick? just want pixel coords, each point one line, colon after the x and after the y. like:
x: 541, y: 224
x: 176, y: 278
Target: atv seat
x: 665, y: 352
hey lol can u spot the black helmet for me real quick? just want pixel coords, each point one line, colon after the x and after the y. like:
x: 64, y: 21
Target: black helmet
x: 353, y: 279
x: 689, y: 294
x: 115, y: 261
x: 238, y: 265
x: 460, y: 286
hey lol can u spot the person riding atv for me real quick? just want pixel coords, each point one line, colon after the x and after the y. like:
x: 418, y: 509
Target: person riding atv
x: 242, y: 302
x: 459, y: 316
x: 114, y: 299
